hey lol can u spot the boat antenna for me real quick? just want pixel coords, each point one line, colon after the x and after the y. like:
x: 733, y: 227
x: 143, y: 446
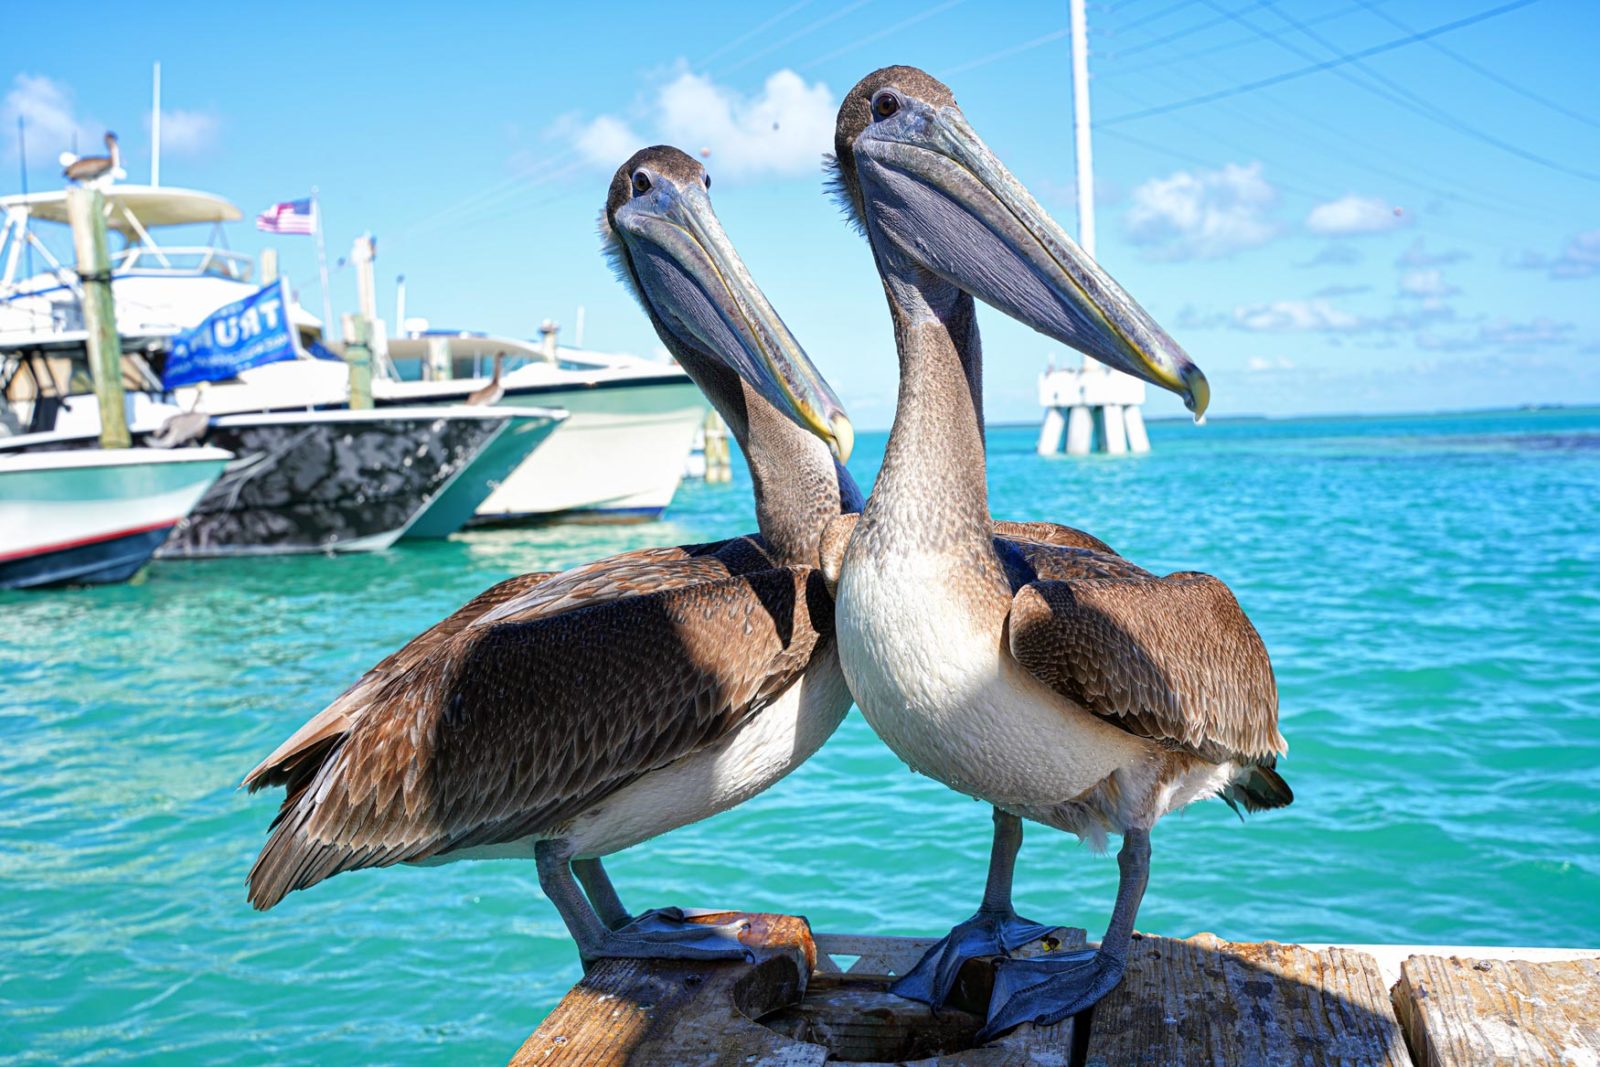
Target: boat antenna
x: 155, y: 127
x: 22, y: 163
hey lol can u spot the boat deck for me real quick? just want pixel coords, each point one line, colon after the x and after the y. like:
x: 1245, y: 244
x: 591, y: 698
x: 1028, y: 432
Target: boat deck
x: 1196, y: 1001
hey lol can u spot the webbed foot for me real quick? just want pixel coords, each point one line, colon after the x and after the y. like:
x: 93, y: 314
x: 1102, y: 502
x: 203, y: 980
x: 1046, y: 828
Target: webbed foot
x: 991, y: 932
x: 1047, y: 989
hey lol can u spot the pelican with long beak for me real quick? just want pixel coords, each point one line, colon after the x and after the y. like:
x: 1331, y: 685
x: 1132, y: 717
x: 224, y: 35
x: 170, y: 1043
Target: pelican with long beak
x: 565, y: 717
x: 1060, y: 683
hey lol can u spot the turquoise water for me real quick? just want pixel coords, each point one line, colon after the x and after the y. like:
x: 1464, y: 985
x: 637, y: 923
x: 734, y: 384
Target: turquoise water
x: 1429, y: 589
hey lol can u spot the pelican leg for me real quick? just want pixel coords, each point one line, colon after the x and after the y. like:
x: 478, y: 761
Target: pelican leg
x: 601, y: 893
x: 995, y: 930
x: 1047, y: 989
x: 662, y: 934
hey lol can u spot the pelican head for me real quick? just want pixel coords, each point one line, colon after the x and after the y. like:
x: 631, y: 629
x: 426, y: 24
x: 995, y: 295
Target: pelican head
x: 669, y: 247
x: 927, y: 191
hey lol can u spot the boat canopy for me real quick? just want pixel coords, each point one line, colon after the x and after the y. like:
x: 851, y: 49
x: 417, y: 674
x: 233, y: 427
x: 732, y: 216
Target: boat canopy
x: 131, y: 208
x: 465, y: 345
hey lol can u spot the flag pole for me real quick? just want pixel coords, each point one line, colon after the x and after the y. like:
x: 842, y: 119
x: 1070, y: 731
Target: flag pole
x: 322, y: 266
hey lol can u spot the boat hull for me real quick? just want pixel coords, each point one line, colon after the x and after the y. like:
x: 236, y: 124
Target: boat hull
x: 617, y: 458
x: 454, y: 508
x: 330, y: 481
x: 83, y: 516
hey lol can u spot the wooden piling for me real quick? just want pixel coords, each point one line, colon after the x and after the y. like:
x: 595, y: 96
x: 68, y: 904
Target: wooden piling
x: 358, y: 354
x: 1459, y: 1011
x: 86, y: 211
x: 1200, y: 1001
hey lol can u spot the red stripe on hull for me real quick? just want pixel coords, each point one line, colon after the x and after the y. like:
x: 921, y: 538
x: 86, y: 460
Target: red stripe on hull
x: 61, y: 546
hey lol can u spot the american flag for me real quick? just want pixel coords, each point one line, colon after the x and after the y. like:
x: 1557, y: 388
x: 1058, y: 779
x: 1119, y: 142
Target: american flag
x: 291, y: 216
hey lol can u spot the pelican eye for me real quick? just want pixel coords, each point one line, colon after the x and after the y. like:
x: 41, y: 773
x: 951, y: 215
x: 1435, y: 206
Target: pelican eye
x: 885, y: 104
x: 705, y: 176
x: 641, y: 182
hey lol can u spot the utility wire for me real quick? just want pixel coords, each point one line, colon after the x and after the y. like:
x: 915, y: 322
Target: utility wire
x: 1152, y: 17
x: 1412, y: 102
x: 804, y: 31
x: 1156, y: 42
x: 1006, y: 53
x: 1486, y: 72
x: 743, y: 37
x: 1315, y: 68
x: 881, y: 34
x: 1326, y: 16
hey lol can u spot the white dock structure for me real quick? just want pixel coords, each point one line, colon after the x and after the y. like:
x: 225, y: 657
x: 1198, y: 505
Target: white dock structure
x: 1091, y: 408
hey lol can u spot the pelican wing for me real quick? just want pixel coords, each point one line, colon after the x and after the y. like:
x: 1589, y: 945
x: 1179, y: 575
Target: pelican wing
x: 1171, y: 659
x: 523, y: 598
x: 311, y: 740
x: 1049, y: 533
x: 512, y: 728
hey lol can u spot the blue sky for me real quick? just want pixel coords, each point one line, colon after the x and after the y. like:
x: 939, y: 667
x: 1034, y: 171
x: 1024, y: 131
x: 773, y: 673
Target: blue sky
x: 1412, y: 230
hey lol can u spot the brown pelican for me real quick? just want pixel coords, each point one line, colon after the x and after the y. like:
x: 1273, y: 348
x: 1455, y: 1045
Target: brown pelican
x: 490, y: 394
x: 567, y: 717
x: 88, y: 168
x: 1061, y: 684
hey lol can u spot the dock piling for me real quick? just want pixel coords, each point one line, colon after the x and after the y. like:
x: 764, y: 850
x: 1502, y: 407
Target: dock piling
x: 86, y: 211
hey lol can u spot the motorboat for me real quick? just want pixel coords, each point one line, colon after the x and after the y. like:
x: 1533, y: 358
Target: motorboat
x: 618, y: 456
x: 76, y: 515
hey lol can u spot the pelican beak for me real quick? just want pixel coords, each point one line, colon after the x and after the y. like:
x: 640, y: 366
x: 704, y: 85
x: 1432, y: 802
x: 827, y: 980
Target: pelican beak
x: 936, y: 196
x: 697, y: 283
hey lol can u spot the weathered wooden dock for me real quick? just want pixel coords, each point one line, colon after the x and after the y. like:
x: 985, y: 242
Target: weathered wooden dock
x: 809, y: 1001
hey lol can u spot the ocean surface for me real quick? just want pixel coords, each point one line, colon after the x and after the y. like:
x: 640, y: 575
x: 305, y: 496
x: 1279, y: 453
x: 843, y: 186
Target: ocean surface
x: 1429, y: 589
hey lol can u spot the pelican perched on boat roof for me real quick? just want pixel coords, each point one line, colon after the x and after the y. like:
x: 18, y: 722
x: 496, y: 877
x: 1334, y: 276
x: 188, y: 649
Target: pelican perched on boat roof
x: 565, y: 717
x: 1062, y: 684
x: 85, y: 169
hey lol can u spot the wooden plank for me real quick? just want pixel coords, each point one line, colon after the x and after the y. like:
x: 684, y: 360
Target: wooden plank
x: 853, y: 1017
x: 658, y: 1012
x: 1459, y: 1010
x: 1208, y: 1001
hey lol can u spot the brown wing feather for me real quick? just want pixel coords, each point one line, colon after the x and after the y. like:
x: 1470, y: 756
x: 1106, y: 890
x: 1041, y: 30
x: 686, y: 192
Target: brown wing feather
x: 1171, y: 659
x: 524, y: 597
x: 511, y: 728
x: 1049, y: 533
x: 310, y: 741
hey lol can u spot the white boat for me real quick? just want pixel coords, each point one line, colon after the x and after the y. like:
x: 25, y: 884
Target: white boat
x: 316, y: 481
x: 90, y: 515
x: 619, y: 456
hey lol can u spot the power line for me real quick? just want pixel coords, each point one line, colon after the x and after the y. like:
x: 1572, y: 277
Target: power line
x: 765, y: 25
x: 1486, y: 72
x: 1152, y: 17
x: 1006, y: 53
x: 1327, y: 16
x: 804, y: 31
x: 1187, y: 31
x: 1413, y: 102
x: 881, y: 34
x: 1293, y: 127
x: 1315, y: 68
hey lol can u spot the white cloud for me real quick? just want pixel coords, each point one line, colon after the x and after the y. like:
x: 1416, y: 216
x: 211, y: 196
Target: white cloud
x: 1334, y: 255
x: 1355, y: 215
x: 1417, y: 255
x: 1579, y: 259
x: 1503, y: 334
x: 1295, y: 316
x: 187, y: 133
x: 783, y: 129
x: 1426, y: 284
x: 46, y: 108
x: 608, y: 138
x: 1203, y: 214
x: 1263, y: 365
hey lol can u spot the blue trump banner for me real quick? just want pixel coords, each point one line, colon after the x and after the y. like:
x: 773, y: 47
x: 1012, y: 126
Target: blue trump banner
x: 241, y: 335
